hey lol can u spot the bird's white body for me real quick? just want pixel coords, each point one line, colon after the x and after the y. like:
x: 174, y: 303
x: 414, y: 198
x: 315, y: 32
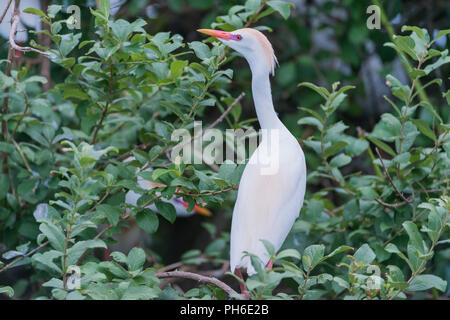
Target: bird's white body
x: 272, y: 186
x: 267, y: 204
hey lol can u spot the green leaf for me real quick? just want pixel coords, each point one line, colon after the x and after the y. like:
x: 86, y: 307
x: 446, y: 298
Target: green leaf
x: 311, y: 121
x: 334, y: 148
x: 54, y: 235
x: 282, y: 7
x: 112, y: 213
x: 105, y: 7
x: 338, y: 250
x: 121, y: 29
x: 119, y: 257
x: 288, y: 253
x: 383, y: 146
x: 177, y: 68
x: 427, y: 281
x: 415, y: 239
x: 321, y: 91
x: 167, y: 210
x: 34, y: 11
x: 136, y: 259
x: 392, y: 248
x: 364, y: 254
x: 75, y: 252
x: 312, y: 256
x: 252, y: 5
x: 201, y: 50
x: 147, y: 220
x: 7, y: 290
x: 423, y: 127
x: 340, y: 160
x: 136, y: 292
x: 269, y: 247
x: 440, y: 34
x: 101, y: 291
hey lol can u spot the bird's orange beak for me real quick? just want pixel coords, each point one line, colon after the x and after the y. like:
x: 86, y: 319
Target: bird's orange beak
x: 217, y: 33
x: 198, y: 210
x: 202, y: 211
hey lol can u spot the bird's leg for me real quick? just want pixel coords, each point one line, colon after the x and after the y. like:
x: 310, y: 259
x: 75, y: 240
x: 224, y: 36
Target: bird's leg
x: 269, y: 264
x: 107, y: 255
x: 244, y: 291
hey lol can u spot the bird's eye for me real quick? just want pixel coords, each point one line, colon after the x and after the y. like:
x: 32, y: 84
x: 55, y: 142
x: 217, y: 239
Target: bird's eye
x: 238, y: 37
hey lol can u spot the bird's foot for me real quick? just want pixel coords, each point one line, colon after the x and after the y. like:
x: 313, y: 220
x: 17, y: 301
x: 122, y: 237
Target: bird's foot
x: 269, y: 264
x: 244, y: 291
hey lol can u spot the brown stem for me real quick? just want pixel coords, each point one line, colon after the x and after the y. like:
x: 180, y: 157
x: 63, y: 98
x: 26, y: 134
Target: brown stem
x: 200, y: 278
x: 16, y: 145
x: 399, y: 232
x: 408, y: 200
x: 212, y: 193
x: 105, y: 110
x: 419, y: 269
x: 9, y: 265
x: 252, y: 19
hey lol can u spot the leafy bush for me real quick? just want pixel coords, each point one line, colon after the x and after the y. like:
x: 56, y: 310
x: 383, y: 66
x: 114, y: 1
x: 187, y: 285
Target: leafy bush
x: 361, y: 235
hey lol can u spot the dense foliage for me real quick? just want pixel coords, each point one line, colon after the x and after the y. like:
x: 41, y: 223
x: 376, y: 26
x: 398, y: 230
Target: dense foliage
x: 376, y: 215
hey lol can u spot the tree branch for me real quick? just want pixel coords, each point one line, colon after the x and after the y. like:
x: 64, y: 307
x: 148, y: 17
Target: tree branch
x: 9, y: 265
x: 406, y: 200
x: 200, y: 278
x: 4, y: 12
x: 15, y: 21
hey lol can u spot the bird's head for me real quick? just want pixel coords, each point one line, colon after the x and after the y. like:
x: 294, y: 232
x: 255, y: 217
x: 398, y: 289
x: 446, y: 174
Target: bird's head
x: 251, y: 43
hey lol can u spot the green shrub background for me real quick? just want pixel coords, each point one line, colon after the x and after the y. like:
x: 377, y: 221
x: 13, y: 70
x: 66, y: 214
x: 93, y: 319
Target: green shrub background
x: 369, y: 107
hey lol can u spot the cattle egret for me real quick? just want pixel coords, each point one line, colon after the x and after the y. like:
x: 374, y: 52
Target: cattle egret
x: 268, y: 202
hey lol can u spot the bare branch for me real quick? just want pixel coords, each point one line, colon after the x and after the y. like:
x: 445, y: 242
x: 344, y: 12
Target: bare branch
x: 200, y: 278
x: 408, y: 200
x: 16, y: 145
x: 14, y: 23
x: 24, y: 256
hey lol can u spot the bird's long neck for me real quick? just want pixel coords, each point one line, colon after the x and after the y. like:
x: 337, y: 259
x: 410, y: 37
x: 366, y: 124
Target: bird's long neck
x: 262, y: 97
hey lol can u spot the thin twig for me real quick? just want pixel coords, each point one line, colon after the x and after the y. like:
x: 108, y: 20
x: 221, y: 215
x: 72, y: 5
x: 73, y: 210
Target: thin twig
x: 419, y: 269
x: 255, y: 15
x: 99, y: 202
x: 4, y: 12
x: 390, y: 205
x: 105, y: 110
x: 9, y: 265
x: 200, y: 278
x: 408, y: 200
x: 16, y: 145
x: 212, y: 193
x: 399, y: 232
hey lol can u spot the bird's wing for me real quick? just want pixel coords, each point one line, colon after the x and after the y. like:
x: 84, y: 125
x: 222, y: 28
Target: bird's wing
x: 266, y: 207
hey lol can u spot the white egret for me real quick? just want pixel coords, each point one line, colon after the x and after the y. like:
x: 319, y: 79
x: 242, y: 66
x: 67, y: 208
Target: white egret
x: 268, y: 202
